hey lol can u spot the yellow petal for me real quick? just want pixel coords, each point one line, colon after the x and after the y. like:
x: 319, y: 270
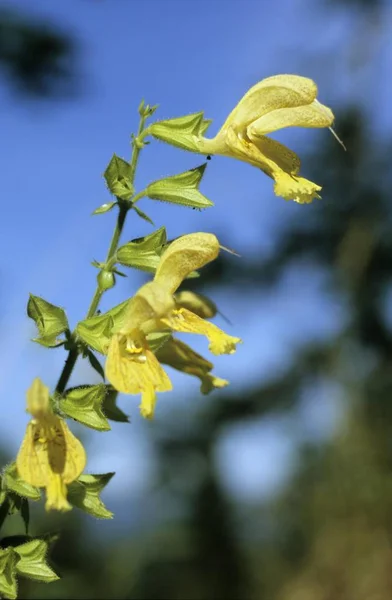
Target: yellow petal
x: 69, y: 460
x: 185, y: 321
x: 210, y: 382
x: 311, y: 115
x: 279, y: 91
x: 32, y: 459
x: 275, y: 155
x: 196, y: 303
x: 56, y: 494
x: 180, y: 356
x: 133, y: 372
x: 183, y: 358
x: 184, y: 255
x: 150, y: 301
x: 38, y: 398
x: 295, y: 188
x: 50, y: 448
x: 147, y: 405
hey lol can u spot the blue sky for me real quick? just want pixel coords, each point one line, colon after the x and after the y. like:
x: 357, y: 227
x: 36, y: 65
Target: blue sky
x: 186, y: 56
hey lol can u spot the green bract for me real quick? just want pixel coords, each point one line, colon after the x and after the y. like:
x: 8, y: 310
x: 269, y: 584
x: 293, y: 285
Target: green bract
x: 118, y: 177
x: 143, y: 253
x: 8, y: 583
x: 84, y: 494
x: 182, y: 131
x: 104, y: 208
x: 110, y: 407
x: 181, y: 189
x: 12, y: 482
x: 51, y: 321
x: 32, y: 561
x: 84, y: 404
x: 96, y: 331
x: 28, y: 560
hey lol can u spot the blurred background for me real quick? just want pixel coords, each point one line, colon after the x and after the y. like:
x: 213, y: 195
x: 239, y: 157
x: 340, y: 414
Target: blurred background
x: 280, y: 486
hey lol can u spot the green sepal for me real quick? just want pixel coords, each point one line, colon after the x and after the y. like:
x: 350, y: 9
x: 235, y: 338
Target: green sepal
x: 143, y: 253
x: 84, y: 404
x: 12, y: 482
x: 182, y: 131
x: 117, y: 272
x: 94, y: 362
x: 50, y: 320
x: 145, y: 110
x: 118, y: 177
x: 110, y: 408
x: 96, y: 331
x: 8, y: 583
x: 180, y: 189
x: 152, y: 241
x: 98, y: 265
x: 104, y: 208
x: 142, y: 215
x: 32, y: 561
x: 84, y: 494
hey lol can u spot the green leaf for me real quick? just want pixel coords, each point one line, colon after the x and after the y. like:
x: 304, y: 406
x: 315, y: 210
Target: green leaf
x: 142, y: 215
x: 118, y: 177
x: 111, y: 409
x: 180, y: 189
x: 32, y: 563
x: 8, y: 583
x: 84, y: 404
x: 51, y: 320
x: 13, y: 483
x: 104, y: 208
x: 96, y: 331
x: 181, y: 131
x: 96, y: 365
x: 84, y: 494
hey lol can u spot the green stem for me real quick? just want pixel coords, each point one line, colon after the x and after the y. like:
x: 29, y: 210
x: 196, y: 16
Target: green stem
x: 122, y: 213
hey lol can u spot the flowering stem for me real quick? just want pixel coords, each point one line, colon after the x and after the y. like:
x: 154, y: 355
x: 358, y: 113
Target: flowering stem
x: 74, y: 351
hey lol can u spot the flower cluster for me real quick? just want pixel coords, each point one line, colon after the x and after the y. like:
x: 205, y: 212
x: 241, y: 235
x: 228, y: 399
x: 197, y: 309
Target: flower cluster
x: 131, y: 366
x: 138, y: 336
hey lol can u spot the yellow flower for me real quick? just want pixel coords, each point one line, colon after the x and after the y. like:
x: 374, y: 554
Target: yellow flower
x: 50, y: 455
x: 131, y: 367
x: 273, y: 103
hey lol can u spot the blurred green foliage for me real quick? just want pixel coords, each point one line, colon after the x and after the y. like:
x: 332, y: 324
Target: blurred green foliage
x: 35, y: 56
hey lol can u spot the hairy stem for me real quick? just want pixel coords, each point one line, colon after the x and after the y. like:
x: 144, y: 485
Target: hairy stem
x: 73, y: 353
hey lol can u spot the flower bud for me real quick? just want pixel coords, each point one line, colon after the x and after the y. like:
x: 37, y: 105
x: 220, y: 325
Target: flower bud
x: 106, y: 280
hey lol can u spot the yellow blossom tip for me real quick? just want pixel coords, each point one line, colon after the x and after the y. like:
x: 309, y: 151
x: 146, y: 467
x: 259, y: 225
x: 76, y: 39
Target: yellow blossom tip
x: 56, y: 494
x: 210, y: 382
x: 295, y: 188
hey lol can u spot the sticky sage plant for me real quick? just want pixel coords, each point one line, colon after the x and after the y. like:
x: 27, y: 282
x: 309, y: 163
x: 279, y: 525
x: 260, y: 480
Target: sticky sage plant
x: 138, y: 337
